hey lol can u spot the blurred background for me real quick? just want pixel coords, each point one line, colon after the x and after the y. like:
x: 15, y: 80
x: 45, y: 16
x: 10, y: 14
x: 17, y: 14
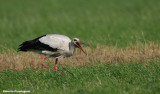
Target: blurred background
x: 106, y: 22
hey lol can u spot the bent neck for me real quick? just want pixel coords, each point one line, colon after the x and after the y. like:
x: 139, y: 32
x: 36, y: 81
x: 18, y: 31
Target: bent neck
x: 71, y: 47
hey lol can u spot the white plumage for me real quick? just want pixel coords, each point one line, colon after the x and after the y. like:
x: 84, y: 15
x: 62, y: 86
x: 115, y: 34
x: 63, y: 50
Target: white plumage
x: 60, y: 42
x: 52, y: 45
x: 56, y: 41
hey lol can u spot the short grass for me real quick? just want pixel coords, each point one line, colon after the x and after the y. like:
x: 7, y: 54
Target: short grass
x: 105, y: 22
x: 115, y: 24
x: 99, y: 55
x: 127, y: 78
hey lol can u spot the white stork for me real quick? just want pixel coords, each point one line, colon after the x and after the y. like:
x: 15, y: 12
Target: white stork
x: 52, y: 45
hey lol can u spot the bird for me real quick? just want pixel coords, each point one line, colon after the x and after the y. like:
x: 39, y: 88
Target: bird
x: 52, y: 46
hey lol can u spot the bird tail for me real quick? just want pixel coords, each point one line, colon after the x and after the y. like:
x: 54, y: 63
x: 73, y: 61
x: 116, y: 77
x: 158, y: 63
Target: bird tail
x: 31, y: 45
x: 25, y: 46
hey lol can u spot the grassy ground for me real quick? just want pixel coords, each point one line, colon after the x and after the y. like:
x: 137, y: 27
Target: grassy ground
x: 99, y: 55
x: 125, y: 78
x: 110, y: 22
x: 116, y: 65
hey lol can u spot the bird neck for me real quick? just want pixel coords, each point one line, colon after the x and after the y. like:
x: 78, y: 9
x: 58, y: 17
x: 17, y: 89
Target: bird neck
x: 71, y: 47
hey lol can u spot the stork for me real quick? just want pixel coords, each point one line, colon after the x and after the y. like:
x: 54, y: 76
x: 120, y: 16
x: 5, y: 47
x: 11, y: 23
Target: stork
x: 52, y: 45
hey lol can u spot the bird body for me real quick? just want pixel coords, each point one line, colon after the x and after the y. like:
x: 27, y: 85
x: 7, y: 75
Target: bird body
x: 52, y: 45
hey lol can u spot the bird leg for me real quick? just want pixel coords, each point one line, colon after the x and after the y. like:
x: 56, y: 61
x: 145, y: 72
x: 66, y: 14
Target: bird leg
x: 55, y: 65
x: 44, y: 61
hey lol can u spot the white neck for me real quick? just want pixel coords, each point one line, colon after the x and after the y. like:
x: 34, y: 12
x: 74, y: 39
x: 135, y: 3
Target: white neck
x: 71, y: 47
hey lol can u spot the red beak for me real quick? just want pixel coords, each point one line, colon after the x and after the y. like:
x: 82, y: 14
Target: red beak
x: 83, y: 43
x: 81, y: 47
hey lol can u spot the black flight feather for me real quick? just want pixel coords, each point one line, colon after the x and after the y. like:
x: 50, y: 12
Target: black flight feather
x: 36, y: 45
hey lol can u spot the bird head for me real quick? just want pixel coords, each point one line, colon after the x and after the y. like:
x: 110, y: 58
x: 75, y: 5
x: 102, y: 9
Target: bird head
x: 77, y: 43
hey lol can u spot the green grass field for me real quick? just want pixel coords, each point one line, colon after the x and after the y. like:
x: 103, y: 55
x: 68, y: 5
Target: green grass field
x: 113, y: 79
x: 105, y: 22
x: 98, y: 22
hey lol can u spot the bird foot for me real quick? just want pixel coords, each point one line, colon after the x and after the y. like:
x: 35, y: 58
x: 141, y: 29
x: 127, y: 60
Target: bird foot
x: 43, y: 64
x: 55, y: 67
x: 44, y: 61
x: 59, y: 73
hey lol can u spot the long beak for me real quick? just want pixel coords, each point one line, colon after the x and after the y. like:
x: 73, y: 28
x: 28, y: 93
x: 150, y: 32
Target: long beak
x: 81, y: 47
x: 83, y: 43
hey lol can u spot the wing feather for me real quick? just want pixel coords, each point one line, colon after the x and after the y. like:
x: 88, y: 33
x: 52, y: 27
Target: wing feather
x: 60, y: 42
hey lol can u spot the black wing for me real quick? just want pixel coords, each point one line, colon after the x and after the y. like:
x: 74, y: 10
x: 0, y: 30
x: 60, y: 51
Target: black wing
x: 35, y: 44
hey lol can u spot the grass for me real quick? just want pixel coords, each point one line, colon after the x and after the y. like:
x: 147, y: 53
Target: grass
x: 105, y: 22
x: 109, y: 78
x: 105, y: 70
x: 99, y: 55
x: 123, y: 35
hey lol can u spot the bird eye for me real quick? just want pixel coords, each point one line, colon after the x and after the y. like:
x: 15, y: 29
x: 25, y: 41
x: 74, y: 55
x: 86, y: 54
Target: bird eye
x: 75, y: 40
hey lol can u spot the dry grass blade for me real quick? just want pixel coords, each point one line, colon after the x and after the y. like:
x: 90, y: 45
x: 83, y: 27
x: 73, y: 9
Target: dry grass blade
x: 102, y: 54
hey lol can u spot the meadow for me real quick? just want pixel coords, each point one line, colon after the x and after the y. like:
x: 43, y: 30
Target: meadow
x: 124, y: 52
